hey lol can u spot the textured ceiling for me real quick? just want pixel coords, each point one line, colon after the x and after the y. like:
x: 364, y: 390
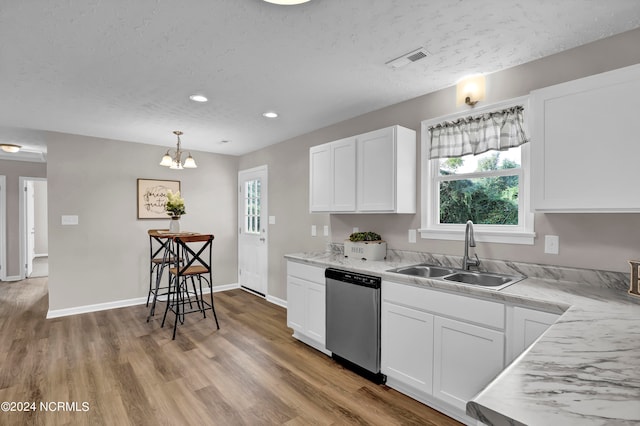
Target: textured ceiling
x: 124, y: 69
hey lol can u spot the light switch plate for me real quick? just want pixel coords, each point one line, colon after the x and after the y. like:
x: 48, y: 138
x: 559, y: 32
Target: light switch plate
x: 412, y: 235
x: 325, y: 231
x: 356, y: 229
x: 272, y: 220
x: 69, y: 219
x: 551, y: 244
x: 314, y: 230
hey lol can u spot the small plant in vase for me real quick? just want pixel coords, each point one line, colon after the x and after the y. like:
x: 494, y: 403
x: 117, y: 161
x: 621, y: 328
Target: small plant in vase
x: 174, y: 208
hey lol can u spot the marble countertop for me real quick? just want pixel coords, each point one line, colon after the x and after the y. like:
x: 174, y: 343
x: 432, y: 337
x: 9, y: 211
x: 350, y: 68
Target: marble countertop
x: 585, y: 369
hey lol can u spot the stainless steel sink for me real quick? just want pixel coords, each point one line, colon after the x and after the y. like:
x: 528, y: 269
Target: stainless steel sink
x: 428, y: 271
x: 485, y: 280
x: 482, y: 279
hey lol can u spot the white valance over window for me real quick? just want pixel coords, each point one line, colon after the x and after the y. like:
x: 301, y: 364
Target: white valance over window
x: 499, y: 130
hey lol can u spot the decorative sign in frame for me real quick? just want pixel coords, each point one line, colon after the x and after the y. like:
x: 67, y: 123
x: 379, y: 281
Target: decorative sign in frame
x: 152, y: 197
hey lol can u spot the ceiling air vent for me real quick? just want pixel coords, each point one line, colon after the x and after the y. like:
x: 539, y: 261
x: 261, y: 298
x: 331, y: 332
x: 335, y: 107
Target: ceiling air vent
x: 408, y: 58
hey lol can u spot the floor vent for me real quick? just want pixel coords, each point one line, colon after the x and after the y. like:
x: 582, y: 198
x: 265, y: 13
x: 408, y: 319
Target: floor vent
x: 408, y: 58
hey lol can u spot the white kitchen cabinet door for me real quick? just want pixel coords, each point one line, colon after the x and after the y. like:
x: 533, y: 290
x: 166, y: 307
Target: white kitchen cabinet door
x: 332, y: 176
x: 315, y: 312
x: 584, y: 150
x: 387, y: 171
x: 306, y: 303
x: 466, y: 358
x: 343, y: 153
x: 407, y: 346
x: 296, y: 289
x: 377, y: 171
x: 525, y: 328
x: 320, y: 178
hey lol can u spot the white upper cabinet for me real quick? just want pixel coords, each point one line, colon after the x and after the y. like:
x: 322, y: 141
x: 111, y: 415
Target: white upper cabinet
x: 585, y: 144
x: 333, y: 176
x: 387, y: 171
x: 370, y: 173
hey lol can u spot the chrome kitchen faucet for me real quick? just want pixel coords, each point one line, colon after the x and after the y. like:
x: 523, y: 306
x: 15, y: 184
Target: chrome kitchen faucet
x: 469, y: 241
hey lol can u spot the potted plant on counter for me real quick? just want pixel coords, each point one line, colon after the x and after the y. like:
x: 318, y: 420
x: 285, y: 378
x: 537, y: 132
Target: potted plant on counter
x: 366, y: 246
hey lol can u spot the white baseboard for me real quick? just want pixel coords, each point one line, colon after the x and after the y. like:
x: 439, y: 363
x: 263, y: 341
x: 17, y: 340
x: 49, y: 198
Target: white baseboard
x: 277, y: 301
x: 13, y: 278
x: 56, y: 313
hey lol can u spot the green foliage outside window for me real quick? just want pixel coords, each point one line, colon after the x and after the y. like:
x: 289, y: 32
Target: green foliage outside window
x: 486, y: 200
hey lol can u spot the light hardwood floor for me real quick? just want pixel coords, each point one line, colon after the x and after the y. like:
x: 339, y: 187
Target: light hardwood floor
x: 249, y: 372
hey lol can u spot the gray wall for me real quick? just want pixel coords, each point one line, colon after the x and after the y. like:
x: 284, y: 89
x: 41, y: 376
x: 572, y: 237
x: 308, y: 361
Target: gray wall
x: 13, y: 170
x: 598, y: 241
x: 105, y: 257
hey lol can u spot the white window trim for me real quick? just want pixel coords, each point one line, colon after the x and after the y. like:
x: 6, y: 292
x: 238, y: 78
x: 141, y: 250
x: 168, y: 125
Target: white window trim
x: 431, y: 229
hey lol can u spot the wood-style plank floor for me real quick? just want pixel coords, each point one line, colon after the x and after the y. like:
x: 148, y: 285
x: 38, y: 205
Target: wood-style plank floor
x: 114, y: 368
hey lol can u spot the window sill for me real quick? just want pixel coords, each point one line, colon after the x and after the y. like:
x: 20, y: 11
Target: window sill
x: 525, y: 238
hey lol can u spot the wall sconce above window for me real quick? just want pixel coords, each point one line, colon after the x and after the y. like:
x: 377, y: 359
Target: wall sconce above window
x: 470, y: 90
x: 9, y: 147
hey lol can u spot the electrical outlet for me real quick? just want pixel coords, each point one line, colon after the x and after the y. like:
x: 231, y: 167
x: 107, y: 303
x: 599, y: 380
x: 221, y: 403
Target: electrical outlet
x: 551, y: 244
x: 356, y: 229
x: 272, y: 220
x: 325, y: 231
x: 412, y: 235
x: 314, y: 231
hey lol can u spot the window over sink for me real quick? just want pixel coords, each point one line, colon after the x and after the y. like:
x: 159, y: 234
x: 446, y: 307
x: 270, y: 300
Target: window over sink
x: 478, y: 173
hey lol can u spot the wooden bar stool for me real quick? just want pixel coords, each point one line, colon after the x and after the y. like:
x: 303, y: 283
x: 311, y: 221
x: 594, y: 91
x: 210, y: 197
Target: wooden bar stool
x: 192, y: 263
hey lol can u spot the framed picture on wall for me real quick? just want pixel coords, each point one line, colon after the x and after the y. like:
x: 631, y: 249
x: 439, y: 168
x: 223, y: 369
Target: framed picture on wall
x: 152, y: 197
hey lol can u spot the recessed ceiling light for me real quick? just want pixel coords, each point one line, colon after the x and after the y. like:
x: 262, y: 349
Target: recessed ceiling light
x: 198, y: 98
x: 286, y: 2
x: 270, y: 114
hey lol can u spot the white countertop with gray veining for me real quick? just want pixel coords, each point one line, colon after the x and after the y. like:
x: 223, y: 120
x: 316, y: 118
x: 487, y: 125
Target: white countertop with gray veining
x: 585, y: 369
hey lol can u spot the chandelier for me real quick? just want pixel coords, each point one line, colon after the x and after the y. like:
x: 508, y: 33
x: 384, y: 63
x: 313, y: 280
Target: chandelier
x: 175, y: 162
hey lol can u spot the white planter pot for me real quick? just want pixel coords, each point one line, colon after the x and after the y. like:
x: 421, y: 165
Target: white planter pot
x: 367, y: 250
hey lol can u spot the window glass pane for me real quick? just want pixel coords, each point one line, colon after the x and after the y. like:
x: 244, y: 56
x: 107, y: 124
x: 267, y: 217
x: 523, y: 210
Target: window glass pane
x: 252, y: 206
x: 490, y: 160
x: 487, y: 201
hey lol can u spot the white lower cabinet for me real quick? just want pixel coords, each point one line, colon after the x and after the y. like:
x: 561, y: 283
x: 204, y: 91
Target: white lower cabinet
x: 466, y: 358
x: 407, y: 355
x: 306, y: 304
x: 438, y: 347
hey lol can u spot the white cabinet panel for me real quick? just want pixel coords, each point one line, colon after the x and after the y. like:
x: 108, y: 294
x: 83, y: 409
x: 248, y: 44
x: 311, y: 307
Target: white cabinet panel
x: 296, y: 289
x: 525, y: 327
x: 306, y: 303
x: 376, y: 171
x: 315, y: 315
x: 407, y: 346
x: 332, y: 176
x: 321, y: 178
x: 343, y: 155
x: 584, y: 144
x: 466, y: 358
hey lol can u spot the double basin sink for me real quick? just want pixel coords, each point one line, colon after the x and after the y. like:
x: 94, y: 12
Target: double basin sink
x: 481, y: 279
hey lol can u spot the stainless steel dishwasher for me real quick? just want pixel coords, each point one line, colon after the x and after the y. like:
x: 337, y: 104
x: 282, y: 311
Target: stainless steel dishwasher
x: 353, y: 321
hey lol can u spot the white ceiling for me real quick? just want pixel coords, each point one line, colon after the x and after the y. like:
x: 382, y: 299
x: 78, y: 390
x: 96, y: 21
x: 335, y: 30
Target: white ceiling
x: 123, y: 69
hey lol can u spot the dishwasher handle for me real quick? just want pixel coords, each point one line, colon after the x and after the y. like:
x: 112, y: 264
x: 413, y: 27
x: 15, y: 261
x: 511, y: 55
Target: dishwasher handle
x: 352, y: 278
